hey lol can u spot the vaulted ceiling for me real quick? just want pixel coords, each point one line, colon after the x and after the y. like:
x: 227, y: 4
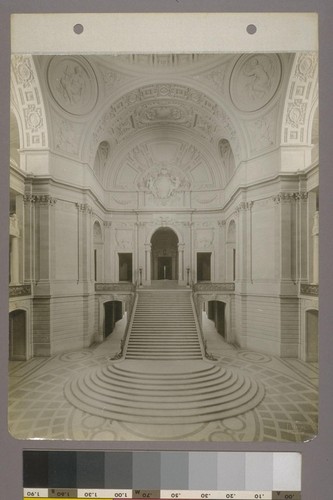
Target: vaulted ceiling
x: 192, y: 117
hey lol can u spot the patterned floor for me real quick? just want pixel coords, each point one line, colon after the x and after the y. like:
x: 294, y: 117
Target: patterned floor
x: 39, y: 409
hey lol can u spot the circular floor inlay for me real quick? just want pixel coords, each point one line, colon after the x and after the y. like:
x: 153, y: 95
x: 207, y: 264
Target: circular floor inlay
x: 234, y: 424
x: 254, y: 357
x: 75, y: 356
x: 164, y: 392
x: 93, y: 422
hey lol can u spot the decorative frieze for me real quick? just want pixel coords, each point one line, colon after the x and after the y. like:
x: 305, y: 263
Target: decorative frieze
x: 288, y: 197
x: 307, y: 289
x: 23, y: 71
x: 301, y: 94
x: 306, y: 66
x: 213, y: 287
x: 45, y: 199
x: 296, y: 113
x: 33, y: 118
x: 28, y: 96
x: 42, y: 199
x: 114, y: 287
x: 19, y: 290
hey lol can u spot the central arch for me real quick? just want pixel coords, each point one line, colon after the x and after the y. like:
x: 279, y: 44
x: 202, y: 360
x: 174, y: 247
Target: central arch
x: 164, y: 254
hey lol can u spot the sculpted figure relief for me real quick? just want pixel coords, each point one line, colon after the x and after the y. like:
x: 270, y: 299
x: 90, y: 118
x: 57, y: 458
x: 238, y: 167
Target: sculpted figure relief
x: 259, y: 81
x: 72, y: 84
x: 255, y: 80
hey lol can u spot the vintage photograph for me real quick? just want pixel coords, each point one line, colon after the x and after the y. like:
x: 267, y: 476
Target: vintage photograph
x: 164, y: 227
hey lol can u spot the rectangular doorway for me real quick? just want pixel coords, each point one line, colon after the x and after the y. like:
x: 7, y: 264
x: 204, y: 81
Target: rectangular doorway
x: 125, y: 267
x: 164, y: 268
x: 203, y: 266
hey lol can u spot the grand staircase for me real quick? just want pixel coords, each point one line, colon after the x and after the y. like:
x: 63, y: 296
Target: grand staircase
x: 164, y: 377
x: 164, y: 327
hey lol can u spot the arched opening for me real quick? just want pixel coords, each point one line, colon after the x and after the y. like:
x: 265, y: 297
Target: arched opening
x: 101, y: 159
x: 227, y: 157
x: 113, y: 312
x: 17, y: 335
x: 164, y: 254
x: 311, y: 326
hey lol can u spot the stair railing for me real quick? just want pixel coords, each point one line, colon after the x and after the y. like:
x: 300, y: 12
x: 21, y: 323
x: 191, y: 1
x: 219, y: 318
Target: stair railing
x: 202, y: 341
x: 124, y: 341
x: 198, y: 327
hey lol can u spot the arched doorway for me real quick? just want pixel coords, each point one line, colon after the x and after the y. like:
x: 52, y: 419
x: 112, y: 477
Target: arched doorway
x: 311, y: 335
x: 113, y: 312
x: 164, y: 254
x: 17, y: 335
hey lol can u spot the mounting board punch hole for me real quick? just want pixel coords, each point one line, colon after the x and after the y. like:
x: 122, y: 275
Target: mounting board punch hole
x: 251, y: 29
x: 78, y: 29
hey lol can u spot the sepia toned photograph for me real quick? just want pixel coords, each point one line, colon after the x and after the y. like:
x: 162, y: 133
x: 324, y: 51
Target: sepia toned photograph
x: 164, y: 227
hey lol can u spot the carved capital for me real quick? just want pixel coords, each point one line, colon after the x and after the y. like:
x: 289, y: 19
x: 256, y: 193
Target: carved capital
x: 45, y: 199
x: 107, y: 224
x: 221, y: 223
x: 243, y: 205
x: 29, y: 198
x: 301, y: 196
x: 84, y: 208
x: 284, y: 197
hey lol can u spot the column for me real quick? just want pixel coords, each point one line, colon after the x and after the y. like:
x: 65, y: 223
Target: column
x: 302, y: 236
x: 284, y: 207
x: 14, y: 261
x: 315, y: 237
x: 243, y: 249
x: 181, y: 247
x: 44, y: 228
x: 147, y: 270
x: 85, y: 244
x: 107, y: 252
x: 29, y: 237
x: 14, y: 250
x: 221, y: 252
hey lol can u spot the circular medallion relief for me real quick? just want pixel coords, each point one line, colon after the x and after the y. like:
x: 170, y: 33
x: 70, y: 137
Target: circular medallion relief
x: 254, y: 81
x: 73, y: 84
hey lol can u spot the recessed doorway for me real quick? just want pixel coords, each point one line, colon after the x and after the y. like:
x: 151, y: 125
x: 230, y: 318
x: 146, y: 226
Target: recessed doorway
x: 125, y: 267
x: 164, y: 254
x: 17, y: 335
x: 203, y: 266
